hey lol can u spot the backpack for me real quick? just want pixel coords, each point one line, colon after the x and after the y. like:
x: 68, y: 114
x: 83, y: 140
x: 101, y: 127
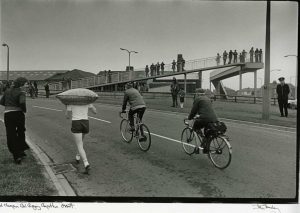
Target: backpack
x: 215, y: 129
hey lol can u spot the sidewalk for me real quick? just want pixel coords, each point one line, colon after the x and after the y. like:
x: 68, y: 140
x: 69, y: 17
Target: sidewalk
x: 27, y: 179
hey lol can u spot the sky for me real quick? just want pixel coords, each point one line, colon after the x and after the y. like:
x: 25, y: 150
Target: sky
x: 88, y: 34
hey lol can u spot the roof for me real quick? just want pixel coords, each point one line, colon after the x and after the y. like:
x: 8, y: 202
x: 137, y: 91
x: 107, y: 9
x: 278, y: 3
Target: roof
x: 73, y: 75
x: 31, y: 75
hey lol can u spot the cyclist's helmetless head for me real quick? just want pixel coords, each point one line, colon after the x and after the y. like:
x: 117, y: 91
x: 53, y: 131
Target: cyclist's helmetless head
x: 200, y: 91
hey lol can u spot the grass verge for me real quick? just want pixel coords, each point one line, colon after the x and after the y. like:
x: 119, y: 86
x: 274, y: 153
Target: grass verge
x: 26, y: 179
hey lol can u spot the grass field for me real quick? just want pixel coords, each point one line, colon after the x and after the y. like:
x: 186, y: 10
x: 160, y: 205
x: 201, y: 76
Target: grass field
x: 238, y: 111
x: 26, y: 179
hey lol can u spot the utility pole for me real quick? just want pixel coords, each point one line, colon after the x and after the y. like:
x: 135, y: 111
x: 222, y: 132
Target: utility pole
x: 266, y: 89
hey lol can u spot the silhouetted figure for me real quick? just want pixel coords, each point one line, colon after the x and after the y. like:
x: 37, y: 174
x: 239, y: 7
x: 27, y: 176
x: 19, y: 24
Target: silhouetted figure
x: 47, y: 90
x: 251, y: 54
x: 230, y: 56
x: 241, y: 58
x: 183, y: 64
x: 235, y: 54
x: 157, y: 68
x: 256, y: 53
x: 162, y: 67
x: 244, y: 53
x: 174, y: 92
x: 218, y: 59
x: 152, y: 69
x: 109, y: 76
x: 173, y: 65
x: 224, y: 57
x: 147, y: 71
x: 260, y: 54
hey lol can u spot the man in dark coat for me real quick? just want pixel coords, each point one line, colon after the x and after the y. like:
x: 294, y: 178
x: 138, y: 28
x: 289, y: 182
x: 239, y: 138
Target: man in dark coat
x: 174, y: 92
x: 230, y: 56
x: 283, y: 91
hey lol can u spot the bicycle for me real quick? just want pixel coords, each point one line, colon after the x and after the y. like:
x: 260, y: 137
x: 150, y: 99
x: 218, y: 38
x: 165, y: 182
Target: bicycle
x: 218, y: 146
x: 128, y: 134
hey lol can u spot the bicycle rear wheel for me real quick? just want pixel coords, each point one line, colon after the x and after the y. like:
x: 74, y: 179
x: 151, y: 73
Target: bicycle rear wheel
x: 144, y: 142
x: 125, y: 131
x: 220, y: 152
x: 188, y: 139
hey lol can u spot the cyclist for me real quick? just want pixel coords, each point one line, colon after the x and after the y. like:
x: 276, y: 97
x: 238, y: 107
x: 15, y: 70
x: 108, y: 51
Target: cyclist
x: 137, y: 106
x: 204, y: 113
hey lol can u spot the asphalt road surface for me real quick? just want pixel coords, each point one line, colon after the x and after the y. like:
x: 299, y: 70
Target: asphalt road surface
x: 263, y: 163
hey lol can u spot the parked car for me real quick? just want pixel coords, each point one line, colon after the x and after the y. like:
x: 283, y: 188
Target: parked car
x: 292, y: 104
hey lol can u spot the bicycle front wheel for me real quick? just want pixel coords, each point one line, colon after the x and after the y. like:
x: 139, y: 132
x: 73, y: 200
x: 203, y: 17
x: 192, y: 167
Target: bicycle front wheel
x: 220, y: 152
x: 188, y: 139
x: 144, y: 138
x: 125, y: 131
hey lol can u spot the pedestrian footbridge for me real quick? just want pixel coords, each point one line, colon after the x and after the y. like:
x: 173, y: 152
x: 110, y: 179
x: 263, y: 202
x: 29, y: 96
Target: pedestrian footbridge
x: 115, y: 80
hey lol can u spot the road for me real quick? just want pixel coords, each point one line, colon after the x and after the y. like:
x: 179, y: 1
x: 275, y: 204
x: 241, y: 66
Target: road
x: 263, y: 163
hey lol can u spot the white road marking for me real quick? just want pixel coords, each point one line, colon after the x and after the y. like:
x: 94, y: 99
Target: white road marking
x: 58, y: 110
x: 98, y: 119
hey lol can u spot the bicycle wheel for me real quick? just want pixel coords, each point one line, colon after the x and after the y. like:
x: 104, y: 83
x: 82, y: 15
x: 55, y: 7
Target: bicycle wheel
x: 220, y: 152
x: 188, y: 139
x: 144, y: 142
x: 125, y: 131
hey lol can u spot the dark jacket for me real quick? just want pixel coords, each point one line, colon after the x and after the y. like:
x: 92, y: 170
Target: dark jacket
x: 14, y: 99
x: 134, y: 98
x: 174, y: 88
x: 203, y: 107
x: 283, y: 92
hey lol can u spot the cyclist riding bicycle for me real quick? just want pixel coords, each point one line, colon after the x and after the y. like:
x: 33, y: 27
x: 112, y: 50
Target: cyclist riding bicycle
x: 205, y: 114
x: 137, y: 106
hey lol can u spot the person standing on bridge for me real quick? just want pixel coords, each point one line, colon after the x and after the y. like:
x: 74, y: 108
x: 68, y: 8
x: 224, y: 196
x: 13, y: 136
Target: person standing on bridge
x: 235, y: 54
x: 147, y: 71
x: 162, y: 67
x: 218, y: 59
x: 79, y: 128
x: 157, y: 68
x: 152, y: 68
x: 14, y: 101
x: 283, y: 91
x: 173, y: 65
x: 244, y: 53
x: 256, y: 53
x: 224, y: 57
x: 230, y: 56
x: 241, y: 58
x: 174, y: 91
x: 183, y: 64
x: 251, y: 54
x: 260, y: 53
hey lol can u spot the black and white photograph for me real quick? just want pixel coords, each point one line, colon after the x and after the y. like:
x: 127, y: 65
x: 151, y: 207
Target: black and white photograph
x: 155, y: 101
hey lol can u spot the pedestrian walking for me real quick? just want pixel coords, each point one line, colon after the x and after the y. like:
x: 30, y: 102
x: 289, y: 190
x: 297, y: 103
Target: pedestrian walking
x: 14, y: 101
x: 251, y: 54
x: 79, y: 128
x: 181, y: 94
x: 162, y: 67
x: 260, y: 53
x: 174, y: 92
x: 36, y: 91
x: 152, y: 69
x: 230, y: 56
x: 283, y: 91
x: 224, y: 57
x: 256, y: 53
x: 244, y: 54
x: 235, y: 54
x: 157, y: 68
x: 47, y: 90
x: 147, y: 71
x: 218, y: 59
x: 173, y: 65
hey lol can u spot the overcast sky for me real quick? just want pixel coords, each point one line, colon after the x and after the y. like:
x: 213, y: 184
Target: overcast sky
x: 88, y: 34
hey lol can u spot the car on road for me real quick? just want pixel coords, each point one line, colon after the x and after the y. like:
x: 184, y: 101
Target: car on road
x: 292, y: 104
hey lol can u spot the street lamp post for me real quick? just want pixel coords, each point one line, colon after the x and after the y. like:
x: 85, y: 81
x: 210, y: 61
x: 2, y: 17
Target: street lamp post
x: 129, y: 52
x: 296, y: 85
x: 7, y: 74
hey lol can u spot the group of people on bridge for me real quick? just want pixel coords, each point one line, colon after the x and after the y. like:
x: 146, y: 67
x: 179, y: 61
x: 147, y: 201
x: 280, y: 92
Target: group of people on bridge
x: 233, y: 56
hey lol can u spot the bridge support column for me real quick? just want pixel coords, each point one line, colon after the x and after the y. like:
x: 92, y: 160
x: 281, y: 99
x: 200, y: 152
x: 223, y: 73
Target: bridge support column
x: 185, y: 82
x: 255, y: 83
x: 241, y: 80
x: 200, y: 79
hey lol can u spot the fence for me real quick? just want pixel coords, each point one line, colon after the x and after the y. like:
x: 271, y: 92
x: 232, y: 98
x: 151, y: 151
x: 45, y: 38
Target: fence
x: 242, y: 99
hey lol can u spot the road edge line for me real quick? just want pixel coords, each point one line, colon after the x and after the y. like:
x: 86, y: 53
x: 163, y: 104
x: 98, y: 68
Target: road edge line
x: 61, y: 184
